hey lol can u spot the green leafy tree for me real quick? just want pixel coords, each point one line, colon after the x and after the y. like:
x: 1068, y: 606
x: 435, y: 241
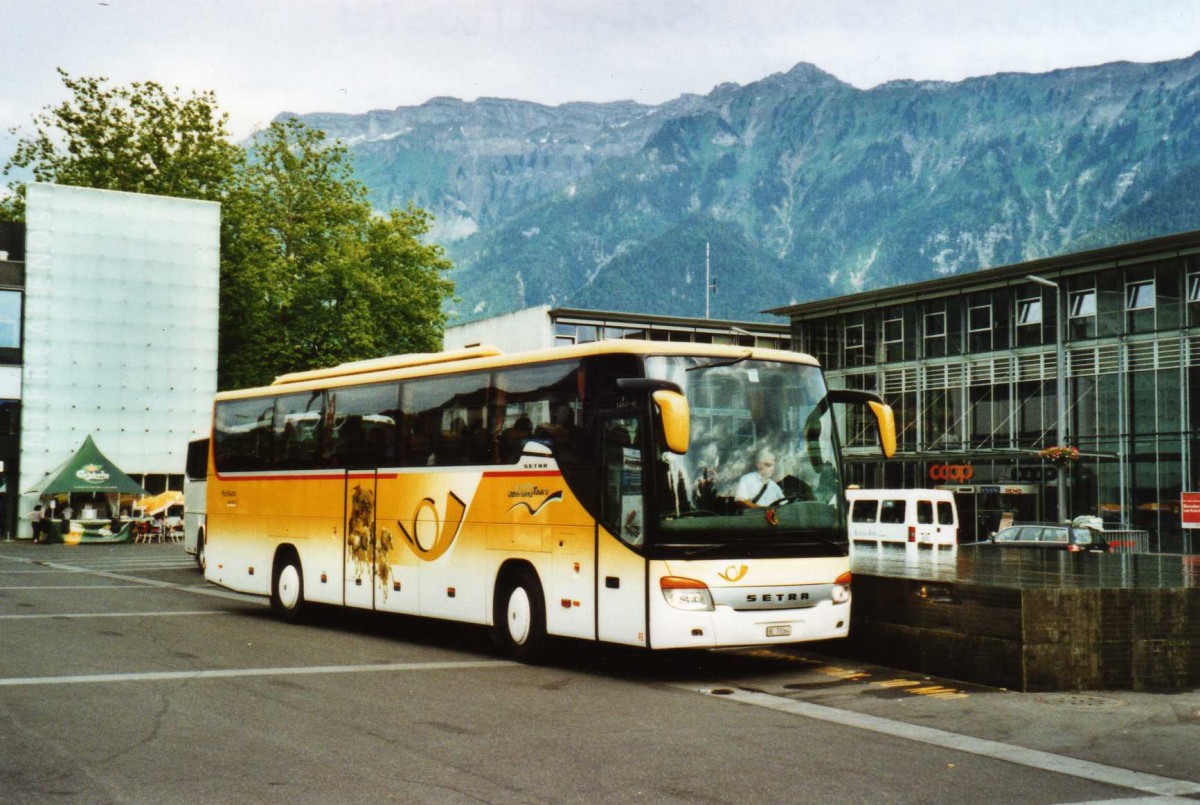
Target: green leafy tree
x: 310, y: 275
x: 142, y: 138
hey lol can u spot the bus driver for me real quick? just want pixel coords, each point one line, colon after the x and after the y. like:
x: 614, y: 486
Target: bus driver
x: 756, y: 490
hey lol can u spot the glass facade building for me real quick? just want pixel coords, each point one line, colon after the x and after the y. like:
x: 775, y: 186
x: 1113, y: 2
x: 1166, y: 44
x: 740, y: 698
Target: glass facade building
x: 543, y: 327
x: 970, y: 363
x: 108, y: 329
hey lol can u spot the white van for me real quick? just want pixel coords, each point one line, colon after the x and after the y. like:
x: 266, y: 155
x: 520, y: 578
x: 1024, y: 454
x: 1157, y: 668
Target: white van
x: 927, y: 518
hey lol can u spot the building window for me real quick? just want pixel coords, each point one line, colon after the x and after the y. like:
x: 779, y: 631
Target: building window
x: 1193, y: 295
x: 893, y: 339
x: 1140, y: 295
x: 855, y: 340
x: 1029, y: 310
x: 1140, y: 292
x: 1081, y: 313
x: 1030, y: 313
x: 979, y: 323
x: 935, y: 334
x: 821, y: 339
x: 10, y: 319
x: 1083, y: 303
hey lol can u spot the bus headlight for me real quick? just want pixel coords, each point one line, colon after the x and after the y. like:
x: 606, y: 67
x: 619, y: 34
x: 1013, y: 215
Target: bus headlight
x: 684, y: 593
x: 841, y: 588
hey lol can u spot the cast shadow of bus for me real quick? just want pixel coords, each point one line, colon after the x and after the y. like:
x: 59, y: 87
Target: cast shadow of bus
x: 680, y: 665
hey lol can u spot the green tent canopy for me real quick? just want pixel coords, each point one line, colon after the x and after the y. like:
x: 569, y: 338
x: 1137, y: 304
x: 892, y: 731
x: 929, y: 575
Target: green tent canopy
x: 87, y: 471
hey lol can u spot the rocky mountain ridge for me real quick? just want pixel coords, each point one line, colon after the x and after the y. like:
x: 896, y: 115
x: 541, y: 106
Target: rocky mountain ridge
x: 804, y: 186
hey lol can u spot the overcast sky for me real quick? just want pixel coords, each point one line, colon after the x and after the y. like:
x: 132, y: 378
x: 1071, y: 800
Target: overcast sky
x: 262, y: 57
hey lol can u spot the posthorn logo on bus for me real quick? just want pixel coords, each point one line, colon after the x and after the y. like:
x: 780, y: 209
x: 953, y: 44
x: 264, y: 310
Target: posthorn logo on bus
x: 92, y: 473
x: 733, y: 573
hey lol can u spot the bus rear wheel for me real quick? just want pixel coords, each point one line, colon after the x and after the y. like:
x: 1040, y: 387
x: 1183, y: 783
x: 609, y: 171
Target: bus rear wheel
x: 287, y: 588
x: 521, y: 617
x: 201, y: 559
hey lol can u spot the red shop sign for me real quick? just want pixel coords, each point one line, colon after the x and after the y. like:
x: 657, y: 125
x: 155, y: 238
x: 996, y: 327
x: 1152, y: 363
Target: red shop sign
x: 953, y: 473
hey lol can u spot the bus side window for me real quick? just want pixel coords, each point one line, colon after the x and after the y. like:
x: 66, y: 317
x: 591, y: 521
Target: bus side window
x: 300, y: 431
x: 622, y: 504
x: 364, y: 425
x: 450, y: 427
x: 243, y: 435
x: 540, y: 403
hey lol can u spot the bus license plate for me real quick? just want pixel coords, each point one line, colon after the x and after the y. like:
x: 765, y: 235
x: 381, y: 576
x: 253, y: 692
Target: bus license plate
x: 779, y: 631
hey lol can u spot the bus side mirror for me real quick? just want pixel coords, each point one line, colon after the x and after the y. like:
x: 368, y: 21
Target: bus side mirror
x: 674, y: 414
x: 885, y: 419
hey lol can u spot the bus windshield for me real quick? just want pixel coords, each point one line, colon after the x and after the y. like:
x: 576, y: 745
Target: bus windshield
x: 762, y: 472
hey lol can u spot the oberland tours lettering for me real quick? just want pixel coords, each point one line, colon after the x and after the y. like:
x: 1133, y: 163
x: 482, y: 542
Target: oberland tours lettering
x: 528, y: 491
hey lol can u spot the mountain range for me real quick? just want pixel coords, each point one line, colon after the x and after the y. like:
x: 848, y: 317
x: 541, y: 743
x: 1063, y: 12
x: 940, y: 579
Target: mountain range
x: 801, y: 185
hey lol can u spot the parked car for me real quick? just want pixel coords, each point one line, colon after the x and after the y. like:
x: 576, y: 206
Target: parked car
x: 1052, y: 537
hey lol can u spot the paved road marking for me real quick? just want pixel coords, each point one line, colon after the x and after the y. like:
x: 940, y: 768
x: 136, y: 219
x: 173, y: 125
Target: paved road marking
x: 205, y: 589
x: 1046, y: 761
x: 166, y: 676
x: 77, y: 615
x: 76, y: 587
x: 51, y: 568
x: 929, y: 691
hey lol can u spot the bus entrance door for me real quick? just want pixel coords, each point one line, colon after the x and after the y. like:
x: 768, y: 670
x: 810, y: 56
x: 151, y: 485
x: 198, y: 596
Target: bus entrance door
x: 361, y: 488
x: 621, y: 570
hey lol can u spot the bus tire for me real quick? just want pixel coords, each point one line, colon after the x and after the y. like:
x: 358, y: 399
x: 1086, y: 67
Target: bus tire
x: 287, y: 587
x: 520, y: 616
x: 201, y: 559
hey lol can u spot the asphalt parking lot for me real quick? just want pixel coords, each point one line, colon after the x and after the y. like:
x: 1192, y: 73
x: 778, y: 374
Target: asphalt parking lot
x: 126, y: 677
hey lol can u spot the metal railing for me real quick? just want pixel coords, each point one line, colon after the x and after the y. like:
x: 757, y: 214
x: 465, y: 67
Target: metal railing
x: 1127, y: 541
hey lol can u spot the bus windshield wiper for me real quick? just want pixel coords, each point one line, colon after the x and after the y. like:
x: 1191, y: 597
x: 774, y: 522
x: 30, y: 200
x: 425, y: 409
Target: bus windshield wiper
x: 703, y: 549
x: 819, y: 538
x: 810, y: 539
x: 715, y: 364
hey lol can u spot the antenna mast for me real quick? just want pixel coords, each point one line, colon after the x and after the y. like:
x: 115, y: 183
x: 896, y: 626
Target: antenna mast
x: 707, y: 279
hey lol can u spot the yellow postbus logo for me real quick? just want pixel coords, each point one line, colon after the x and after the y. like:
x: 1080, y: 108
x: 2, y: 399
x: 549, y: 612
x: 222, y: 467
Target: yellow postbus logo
x: 429, y: 536
x: 734, y: 573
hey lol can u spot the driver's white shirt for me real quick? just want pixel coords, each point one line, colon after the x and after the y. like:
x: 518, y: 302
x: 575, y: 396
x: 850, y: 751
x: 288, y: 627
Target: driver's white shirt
x: 748, y: 488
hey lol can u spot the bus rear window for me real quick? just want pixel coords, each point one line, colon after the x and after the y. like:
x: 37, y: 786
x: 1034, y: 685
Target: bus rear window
x: 893, y: 511
x: 197, y: 460
x: 864, y: 511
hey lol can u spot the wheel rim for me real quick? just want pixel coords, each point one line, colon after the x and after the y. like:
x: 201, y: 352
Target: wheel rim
x: 520, y: 616
x: 289, y: 587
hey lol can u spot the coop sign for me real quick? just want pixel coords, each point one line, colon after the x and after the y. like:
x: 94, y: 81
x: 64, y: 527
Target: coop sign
x: 953, y: 473
x: 92, y: 473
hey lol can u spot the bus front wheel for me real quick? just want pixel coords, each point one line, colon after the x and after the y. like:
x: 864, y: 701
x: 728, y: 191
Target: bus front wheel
x: 287, y: 589
x: 521, y: 617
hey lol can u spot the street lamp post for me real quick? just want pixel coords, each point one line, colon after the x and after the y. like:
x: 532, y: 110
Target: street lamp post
x: 1060, y: 393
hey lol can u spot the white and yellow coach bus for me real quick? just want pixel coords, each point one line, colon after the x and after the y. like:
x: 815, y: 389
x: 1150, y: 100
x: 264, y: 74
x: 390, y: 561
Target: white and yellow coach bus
x: 594, y: 492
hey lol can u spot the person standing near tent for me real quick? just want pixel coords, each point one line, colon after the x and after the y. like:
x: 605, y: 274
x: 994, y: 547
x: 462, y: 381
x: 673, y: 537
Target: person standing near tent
x: 35, y: 517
